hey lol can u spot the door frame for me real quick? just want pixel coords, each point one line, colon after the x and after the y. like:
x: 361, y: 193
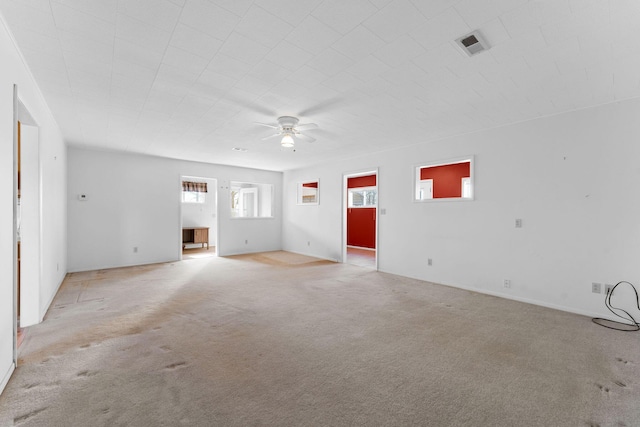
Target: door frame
x: 345, y: 206
x: 214, y: 182
x: 15, y: 226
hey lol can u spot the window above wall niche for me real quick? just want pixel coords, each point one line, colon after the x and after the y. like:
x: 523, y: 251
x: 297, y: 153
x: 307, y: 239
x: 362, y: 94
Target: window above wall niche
x: 444, y: 180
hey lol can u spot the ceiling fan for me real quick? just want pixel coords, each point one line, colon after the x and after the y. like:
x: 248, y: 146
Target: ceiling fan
x: 289, y: 129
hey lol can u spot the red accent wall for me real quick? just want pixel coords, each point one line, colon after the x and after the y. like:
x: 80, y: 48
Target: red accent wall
x: 447, y: 179
x: 361, y: 227
x: 361, y: 181
x: 310, y: 184
x: 361, y: 222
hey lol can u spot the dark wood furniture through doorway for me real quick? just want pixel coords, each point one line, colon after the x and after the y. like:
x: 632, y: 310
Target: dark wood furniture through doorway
x: 195, y: 235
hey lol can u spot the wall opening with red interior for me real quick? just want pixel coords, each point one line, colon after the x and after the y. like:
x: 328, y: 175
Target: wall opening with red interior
x: 361, y: 211
x: 447, y: 179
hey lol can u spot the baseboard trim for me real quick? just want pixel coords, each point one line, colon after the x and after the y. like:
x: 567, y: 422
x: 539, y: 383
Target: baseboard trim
x: 531, y: 301
x: 525, y: 300
x: 51, y: 298
x: 312, y: 255
x: 7, y: 376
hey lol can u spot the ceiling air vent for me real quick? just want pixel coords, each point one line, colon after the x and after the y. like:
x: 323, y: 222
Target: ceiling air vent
x: 472, y: 44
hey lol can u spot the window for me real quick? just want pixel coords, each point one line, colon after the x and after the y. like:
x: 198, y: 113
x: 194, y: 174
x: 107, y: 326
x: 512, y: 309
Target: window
x: 364, y: 197
x: 251, y: 200
x: 193, y: 192
x: 450, y: 180
x: 308, y: 193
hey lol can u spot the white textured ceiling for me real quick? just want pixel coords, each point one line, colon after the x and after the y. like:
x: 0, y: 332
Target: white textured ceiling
x: 187, y: 78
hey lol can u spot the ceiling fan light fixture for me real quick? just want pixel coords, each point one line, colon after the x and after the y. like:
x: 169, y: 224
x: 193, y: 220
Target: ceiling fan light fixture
x: 287, y: 141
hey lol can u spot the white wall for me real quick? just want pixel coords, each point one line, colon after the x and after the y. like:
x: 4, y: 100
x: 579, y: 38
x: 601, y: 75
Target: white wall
x: 202, y: 214
x: 53, y: 175
x: 134, y: 201
x: 573, y: 179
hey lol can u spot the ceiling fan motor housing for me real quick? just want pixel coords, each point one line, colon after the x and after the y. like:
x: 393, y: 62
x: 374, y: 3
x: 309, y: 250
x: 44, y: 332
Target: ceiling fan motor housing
x: 287, y: 122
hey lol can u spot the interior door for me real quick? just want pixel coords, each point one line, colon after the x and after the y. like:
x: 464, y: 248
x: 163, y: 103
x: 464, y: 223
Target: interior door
x: 249, y: 202
x: 425, y: 189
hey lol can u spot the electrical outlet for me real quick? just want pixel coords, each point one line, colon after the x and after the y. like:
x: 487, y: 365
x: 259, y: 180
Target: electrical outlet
x: 596, y: 288
x: 608, y: 289
x: 518, y: 223
x: 308, y: 243
x: 135, y: 249
x: 246, y: 242
x: 507, y: 283
x: 429, y: 261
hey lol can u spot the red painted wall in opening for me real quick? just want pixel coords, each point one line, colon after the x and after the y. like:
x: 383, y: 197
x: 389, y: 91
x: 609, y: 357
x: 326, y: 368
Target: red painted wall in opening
x: 361, y: 222
x: 361, y: 181
x: 447, y: 179
x: 361, y: 227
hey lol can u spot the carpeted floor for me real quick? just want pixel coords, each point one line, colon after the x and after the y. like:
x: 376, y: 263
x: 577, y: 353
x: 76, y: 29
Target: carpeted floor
x: 361, y: 257
x: 283, y: 339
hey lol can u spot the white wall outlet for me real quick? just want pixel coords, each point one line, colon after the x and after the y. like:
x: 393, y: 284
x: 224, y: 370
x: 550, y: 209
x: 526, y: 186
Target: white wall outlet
x: 308, y: 243
x: 429, y: 261
x: 135, y: 249
x: 518, y: 223
x: 246, y: 241
x: 596, y: 288
x: 608, y: 289
x: 507, y: 283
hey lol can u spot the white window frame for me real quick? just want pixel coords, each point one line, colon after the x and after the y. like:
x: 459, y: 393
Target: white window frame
x: 417, y: 181
x: 200, y: 197
x: 357, y: 189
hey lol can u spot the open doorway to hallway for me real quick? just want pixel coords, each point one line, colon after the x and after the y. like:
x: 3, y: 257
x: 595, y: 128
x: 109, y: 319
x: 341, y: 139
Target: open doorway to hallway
x: 199, y: 218
x: 361, y: 219
x: 28, y: 222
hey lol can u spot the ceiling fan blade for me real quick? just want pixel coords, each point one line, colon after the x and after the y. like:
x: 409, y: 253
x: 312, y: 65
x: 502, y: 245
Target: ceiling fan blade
x: 271, y: 136
x: 274, y: 126
x: 306, y: 126
x: 326, y: 105
x: 305, y: 137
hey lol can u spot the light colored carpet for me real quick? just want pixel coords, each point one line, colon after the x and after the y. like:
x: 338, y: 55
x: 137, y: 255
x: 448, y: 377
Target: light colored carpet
x: 283, y: 339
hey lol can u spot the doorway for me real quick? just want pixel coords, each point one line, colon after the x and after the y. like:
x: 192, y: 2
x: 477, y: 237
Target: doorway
x: 360, y: 219
x: 199, y: 217
x: 28, y: 222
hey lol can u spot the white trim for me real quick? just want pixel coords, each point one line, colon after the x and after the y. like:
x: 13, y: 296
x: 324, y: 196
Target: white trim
x: 259, y: 188
x: 45, y: 308
x: 300, y: 188
x: 512, y: 298
x: 15, y: 227
x: 311, y: 255
x: 345, y: 205
x: 7, y: 376
x: 451, y: 161
x: 208, y: 180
